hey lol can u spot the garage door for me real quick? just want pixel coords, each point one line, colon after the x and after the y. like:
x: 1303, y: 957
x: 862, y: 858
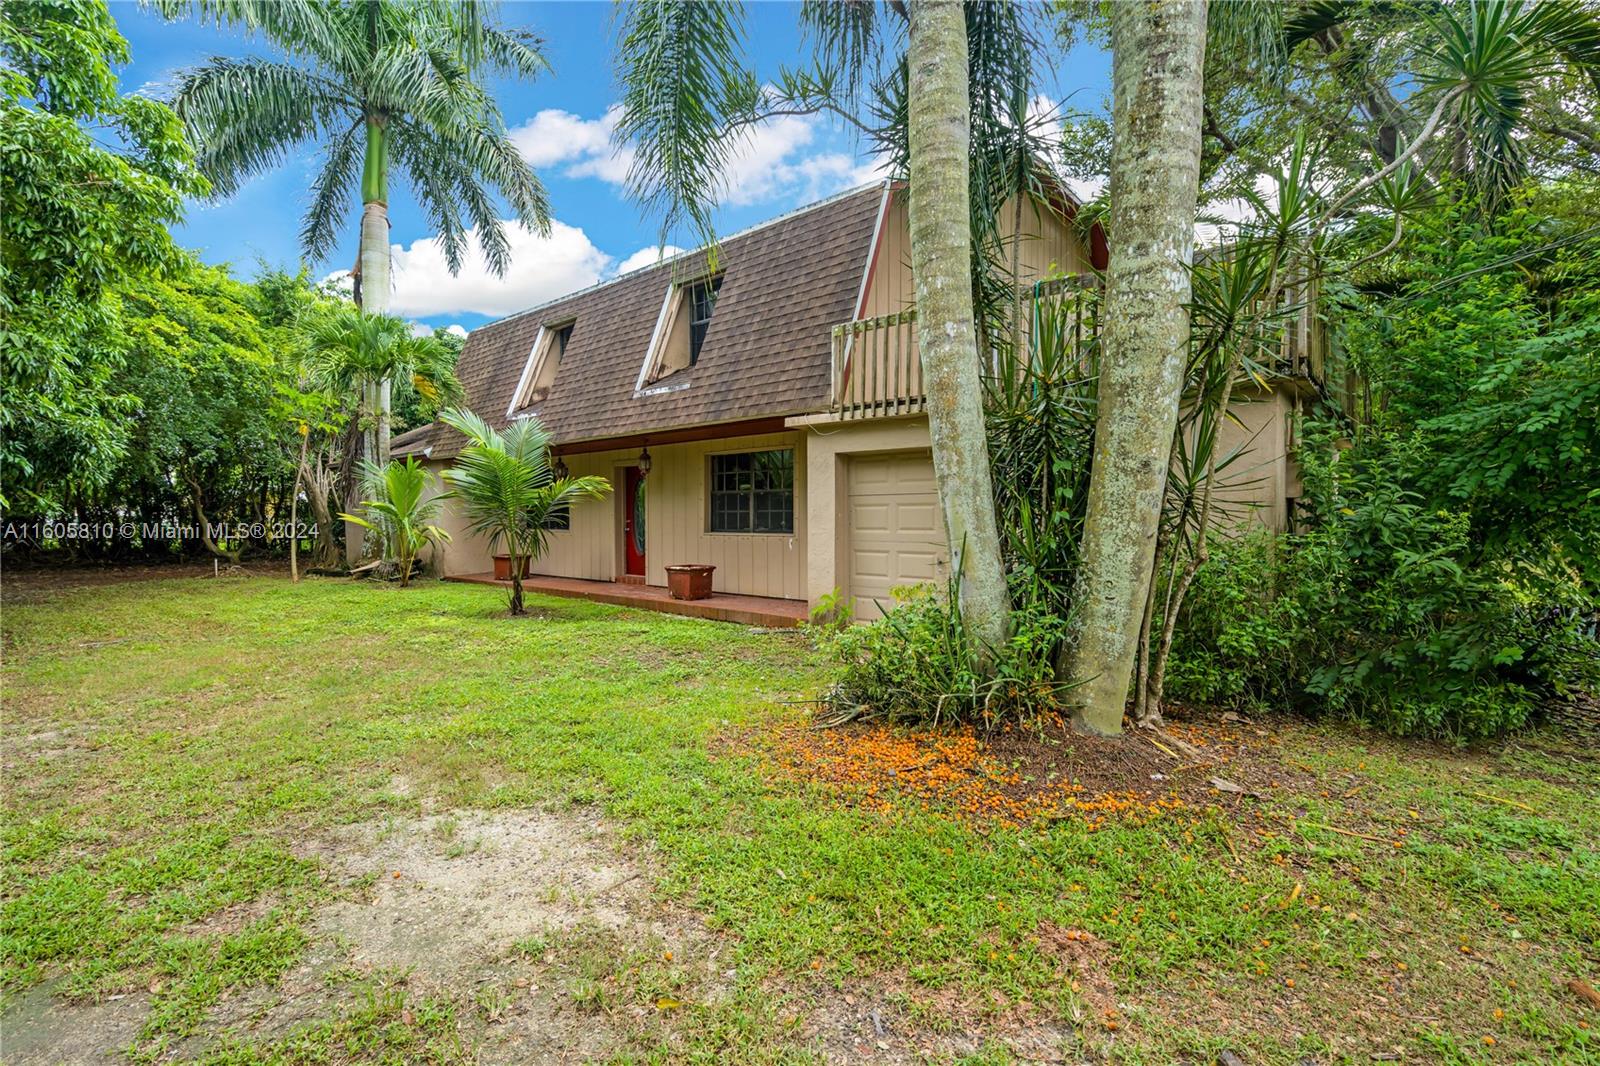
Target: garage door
x: 896, y: 534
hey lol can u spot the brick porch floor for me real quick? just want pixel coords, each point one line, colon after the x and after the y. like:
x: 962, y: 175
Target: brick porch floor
x: 747, y: 610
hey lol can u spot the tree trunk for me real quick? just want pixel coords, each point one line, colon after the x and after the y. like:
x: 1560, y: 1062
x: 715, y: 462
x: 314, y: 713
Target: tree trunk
x: 196, y: 497
x: 941, y: 264
x: 1158, y: 54
x: 294, y: 509
x: 373, y: 255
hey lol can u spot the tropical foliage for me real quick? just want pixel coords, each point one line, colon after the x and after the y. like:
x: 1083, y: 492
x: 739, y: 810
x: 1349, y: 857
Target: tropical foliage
x: 396, y: 507
x: 77, y: 218
x: 508, y: 491
x: 350, y: 351
x: 380, y: 86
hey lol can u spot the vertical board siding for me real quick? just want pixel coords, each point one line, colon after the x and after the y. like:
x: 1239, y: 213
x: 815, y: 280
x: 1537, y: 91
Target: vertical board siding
x: 467, y: 552
x: 1049, y: 249
x: 677, y: 519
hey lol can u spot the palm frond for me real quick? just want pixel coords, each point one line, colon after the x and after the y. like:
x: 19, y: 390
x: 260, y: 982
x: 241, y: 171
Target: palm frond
x: 332, y: 192
x: 681, y: 67
x: 245, y: 116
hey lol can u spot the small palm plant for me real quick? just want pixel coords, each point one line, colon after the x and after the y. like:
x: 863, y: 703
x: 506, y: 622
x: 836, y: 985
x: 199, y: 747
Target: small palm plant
x: 396, y: 510
x: 507, y: 489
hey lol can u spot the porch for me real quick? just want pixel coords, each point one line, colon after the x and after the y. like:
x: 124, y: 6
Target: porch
x: 719, y: 606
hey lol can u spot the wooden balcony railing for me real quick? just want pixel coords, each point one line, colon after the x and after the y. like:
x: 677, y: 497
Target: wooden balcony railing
x: 877, y: 369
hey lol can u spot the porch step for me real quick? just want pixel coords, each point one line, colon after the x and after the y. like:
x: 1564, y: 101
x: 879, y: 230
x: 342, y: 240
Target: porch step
x: 766, y: 611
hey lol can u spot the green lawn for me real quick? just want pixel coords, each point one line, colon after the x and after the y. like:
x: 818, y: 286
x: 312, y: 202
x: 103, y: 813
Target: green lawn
x: 174, y: 749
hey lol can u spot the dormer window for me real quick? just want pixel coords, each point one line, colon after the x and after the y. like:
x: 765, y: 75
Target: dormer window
x: 539, y: 373
x: 681, y: 329
x: 702, y: 301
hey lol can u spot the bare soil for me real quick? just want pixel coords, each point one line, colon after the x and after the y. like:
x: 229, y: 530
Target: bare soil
x: 537, y: 924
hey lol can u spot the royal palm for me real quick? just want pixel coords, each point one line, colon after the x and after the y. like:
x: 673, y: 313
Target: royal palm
x: 382, y: 87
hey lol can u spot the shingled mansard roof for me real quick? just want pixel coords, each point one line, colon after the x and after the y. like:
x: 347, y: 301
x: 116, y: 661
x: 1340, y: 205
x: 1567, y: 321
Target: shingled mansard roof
x: 766, y: 352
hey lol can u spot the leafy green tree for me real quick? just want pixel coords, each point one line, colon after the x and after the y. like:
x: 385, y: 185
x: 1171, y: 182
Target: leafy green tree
x: 76, y: 219
x: 418, y: 400
x: 507, y: 489
x: 209, y: 378
x: 397, y: 509
x: 382, y: 86
x: 1481, y: 345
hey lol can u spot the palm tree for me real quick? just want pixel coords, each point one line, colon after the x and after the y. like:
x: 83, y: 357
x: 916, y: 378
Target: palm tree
x: 351, y: 350
x: 1158, y: 53
x: 396, y: 510
x: 507, y: 489
x: 379, y: 85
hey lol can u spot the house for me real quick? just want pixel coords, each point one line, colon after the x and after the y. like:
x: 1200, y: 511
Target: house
x: 761, y: 412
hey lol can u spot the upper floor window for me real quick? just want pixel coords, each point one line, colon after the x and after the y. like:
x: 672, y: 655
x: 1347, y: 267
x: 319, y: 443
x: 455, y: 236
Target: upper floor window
x: 681, y: 329
x: 539, y: 373
x: 702, y: 301
x: 753, y: 492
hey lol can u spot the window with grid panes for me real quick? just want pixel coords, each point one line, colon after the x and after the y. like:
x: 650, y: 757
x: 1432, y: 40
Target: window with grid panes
x: 753, y: 492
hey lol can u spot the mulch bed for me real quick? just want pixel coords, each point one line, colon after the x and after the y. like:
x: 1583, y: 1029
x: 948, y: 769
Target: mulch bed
x: 1017, y: 775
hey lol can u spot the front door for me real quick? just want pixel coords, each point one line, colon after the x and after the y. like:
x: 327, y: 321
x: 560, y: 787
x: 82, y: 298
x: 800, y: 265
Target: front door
x: 633, y: 520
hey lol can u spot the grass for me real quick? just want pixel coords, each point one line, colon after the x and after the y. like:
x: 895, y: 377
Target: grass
x: 171, y: 746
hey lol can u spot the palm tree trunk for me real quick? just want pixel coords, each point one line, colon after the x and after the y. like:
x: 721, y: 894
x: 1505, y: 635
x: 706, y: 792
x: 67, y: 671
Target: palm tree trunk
x: 373, y: 255
x: 1158, y: 53
x: 941, y: 254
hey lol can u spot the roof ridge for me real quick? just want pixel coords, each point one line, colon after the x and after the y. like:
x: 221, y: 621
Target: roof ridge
x: 773, y: 221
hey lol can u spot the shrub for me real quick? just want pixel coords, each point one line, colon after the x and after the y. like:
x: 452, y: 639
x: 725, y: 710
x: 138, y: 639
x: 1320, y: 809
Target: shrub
x: 920, y: 663
x: 1382, y: 610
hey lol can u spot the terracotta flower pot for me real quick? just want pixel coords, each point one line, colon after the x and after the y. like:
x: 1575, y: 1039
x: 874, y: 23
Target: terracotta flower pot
x: 689, y: 581
x: 502, y: 567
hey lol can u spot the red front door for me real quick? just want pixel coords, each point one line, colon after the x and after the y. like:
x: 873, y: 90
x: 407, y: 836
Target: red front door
x: 633, y: 520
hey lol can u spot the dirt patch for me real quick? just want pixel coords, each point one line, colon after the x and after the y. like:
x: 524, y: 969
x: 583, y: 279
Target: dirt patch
x: 463, y: 906
x: 450, y: 893
x: 41, y: 1030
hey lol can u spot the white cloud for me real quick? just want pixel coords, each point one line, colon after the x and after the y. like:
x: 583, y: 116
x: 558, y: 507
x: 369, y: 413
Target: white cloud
x: 456, y: 329
x: 555, y: 138
x: 775, y: 160
x: 648, y: 256
x: 542, y: 268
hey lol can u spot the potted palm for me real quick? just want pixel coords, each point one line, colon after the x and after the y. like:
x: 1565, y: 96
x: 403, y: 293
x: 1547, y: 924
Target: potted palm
x: 508, y: 490
x: 394, y: 509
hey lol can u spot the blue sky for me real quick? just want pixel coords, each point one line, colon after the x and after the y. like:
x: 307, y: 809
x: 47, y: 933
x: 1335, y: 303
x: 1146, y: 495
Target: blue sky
x: 560, y: 124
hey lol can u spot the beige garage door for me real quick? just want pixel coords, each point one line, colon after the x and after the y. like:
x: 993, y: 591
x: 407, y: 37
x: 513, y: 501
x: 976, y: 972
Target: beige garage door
x: 896, y: 535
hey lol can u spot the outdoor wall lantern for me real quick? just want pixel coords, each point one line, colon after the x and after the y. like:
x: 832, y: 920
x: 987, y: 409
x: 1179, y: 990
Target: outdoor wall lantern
x: 644, y: 462
x: 560, y: 469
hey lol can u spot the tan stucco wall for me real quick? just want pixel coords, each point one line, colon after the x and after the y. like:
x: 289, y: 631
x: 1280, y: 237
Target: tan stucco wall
x: 677, y: 518
x: 466, y: 553
x: 828, y: 448
x: 1257, y: 484
x: 1256, y: 487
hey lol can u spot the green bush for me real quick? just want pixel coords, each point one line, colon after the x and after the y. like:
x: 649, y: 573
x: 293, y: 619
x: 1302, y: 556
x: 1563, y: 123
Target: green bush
x: 921, y: 664
x: 1383, y: 610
